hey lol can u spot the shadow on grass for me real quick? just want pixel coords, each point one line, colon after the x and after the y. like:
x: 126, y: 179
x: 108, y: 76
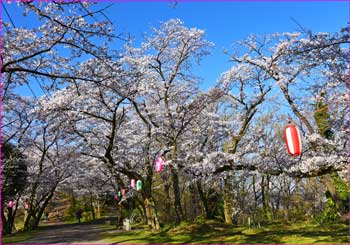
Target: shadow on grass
x: 301, y: 235
x: 185, y: 238
x: 261, y: 238
x: 160, y: 237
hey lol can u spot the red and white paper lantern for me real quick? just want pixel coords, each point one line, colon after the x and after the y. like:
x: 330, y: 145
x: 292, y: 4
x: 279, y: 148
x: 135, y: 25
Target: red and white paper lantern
x: 293, y: 140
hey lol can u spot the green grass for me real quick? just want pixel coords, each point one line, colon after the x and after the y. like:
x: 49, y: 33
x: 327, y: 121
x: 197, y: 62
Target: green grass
x: 213, y: 232
x: 18, y: 237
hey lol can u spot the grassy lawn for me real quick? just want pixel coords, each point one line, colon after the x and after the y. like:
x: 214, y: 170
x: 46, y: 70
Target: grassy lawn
x: 18, y: 237
x: 211, y: 232
x: 215, y: 232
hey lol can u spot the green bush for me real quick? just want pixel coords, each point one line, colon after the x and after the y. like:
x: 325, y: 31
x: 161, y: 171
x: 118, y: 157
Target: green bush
x: 343, y: 190
x: 330, y: 214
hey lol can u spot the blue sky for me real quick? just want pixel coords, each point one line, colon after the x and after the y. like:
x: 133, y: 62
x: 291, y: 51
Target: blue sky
x: 227, y: 22
x: 224, y: 22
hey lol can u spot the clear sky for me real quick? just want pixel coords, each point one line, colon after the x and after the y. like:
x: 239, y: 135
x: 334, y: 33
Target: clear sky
x: 228, y: 22
x: 224, y: 22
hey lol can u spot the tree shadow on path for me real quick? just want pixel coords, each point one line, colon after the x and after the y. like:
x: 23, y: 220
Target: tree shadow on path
x: 89, y: 232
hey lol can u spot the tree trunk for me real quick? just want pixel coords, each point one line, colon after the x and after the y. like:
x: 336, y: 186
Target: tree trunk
x: 167, y: 201
x: 26, y: 226
x: 42, y: 209
x: 98, y: 209
x: 150, y: 207
x: 265, y: 197
x: 141, y: 207
x: 177, y: 196
x: 277, y: 205
x: 92, y: 209
x: 176, y: 187
x: 151, y: 214
x: 194, y: 204
x: 35, y: 213
x: 227, y: 202
x: 9, y: 220
x: 255, y: 193
x: 12, y: 224
x: 119, y: 221
x: 204, y: 200
x: 4, y: 220
x: 227, y: 210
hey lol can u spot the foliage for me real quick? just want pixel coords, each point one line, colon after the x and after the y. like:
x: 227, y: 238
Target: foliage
x: 343, y: 189
x: 14, y: 172
x: 322, y: 119
x: 330, y: 214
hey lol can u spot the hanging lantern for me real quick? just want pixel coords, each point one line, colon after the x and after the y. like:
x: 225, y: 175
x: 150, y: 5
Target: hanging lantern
x: 10, y: 204
x: 133, y: 183
x: 159, y: 164
x: 293, y: 140
x: 119, y: 194
x: 123, y: 192
x: 138, y: 185
x: 26, y: 206
x: 116, y: 197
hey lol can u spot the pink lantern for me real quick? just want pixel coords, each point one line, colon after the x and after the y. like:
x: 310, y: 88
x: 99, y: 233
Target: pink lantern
x: 10, y: 204
x: 293, y: 140
x: 116, y: 197
x: 26, y: 206
x: 123, y: 192
x: 133, y: 183
x: 159, y: 164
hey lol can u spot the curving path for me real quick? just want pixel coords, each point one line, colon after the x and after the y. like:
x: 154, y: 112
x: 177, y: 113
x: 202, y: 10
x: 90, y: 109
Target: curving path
x: 86, y: 233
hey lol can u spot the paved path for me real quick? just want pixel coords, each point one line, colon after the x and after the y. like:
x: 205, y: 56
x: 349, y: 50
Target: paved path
x: 69, y: 233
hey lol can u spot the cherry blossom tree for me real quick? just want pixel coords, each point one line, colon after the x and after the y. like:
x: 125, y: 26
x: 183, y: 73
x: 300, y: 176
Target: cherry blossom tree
x: 47, y: 55
x: 169, y: 102
x: 38, y: 53
x: 51, y: 160
x: 296, y: 58
x: 162, y: 98
x: 291, y: 64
